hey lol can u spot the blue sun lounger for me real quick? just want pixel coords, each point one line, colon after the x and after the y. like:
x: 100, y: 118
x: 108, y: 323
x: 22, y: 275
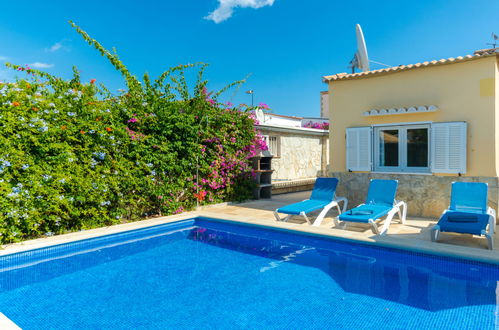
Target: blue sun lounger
x: 380, y: 202
x: 468, y: 212
x: 323, y: 197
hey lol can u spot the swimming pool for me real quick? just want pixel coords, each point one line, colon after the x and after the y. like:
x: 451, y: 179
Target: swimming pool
x: 202, y: 273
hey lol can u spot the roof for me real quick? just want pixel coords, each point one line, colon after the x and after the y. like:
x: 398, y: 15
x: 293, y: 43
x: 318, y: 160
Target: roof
x: 477, y: 55
x: 288, y: 129
x: 283, y: 116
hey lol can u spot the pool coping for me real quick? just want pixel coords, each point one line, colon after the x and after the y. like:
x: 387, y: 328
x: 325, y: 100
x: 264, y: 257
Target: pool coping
x: 428, y: 247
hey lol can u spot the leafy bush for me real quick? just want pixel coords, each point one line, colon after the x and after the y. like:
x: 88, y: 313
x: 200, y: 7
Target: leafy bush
x: 75, y: 156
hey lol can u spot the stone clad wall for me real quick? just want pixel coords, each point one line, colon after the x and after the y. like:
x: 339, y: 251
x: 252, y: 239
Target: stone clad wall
x: 302, y: 156
x: 425, y: 195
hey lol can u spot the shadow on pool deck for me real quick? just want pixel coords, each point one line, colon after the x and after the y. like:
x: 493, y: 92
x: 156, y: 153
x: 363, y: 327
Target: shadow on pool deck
x: 416, y: 231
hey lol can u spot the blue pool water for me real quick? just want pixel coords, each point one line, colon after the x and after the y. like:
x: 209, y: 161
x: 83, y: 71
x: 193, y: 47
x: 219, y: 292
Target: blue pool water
x: 206, y: 274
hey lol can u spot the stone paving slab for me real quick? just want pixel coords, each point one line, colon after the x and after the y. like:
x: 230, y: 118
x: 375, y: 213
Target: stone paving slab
x: 414, y: 234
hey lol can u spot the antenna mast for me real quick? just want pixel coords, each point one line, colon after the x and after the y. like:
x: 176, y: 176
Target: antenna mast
x: 495, y: 42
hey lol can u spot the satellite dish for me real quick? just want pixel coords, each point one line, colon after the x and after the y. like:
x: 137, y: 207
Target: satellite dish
x: 360, y: 59
x: 260, y: 116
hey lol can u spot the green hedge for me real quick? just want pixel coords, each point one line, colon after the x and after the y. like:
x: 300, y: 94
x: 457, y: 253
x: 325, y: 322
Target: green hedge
x: 75, y: 156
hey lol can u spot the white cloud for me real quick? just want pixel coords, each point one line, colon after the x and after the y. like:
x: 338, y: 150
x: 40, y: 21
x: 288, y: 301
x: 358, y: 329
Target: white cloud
x: 3, y: 58
x: 40, y: 65
x: 226, y: 8
x: 55, y: 47
x: 60, y: 45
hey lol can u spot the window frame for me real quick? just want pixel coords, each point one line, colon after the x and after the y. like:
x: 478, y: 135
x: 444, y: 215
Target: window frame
x: 274, y: 153
x: 402, y: 148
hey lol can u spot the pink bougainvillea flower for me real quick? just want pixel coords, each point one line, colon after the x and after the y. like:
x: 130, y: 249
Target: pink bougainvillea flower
x: 132, y: 120
x: 179, y: 210
x: 264, y: 106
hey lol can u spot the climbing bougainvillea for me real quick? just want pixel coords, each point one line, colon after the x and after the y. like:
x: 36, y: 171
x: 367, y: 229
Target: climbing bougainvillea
x: 75, y: 156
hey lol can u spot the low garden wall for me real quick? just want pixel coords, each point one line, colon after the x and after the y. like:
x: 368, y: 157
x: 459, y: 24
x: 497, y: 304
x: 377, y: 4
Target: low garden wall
x: 284, y: 187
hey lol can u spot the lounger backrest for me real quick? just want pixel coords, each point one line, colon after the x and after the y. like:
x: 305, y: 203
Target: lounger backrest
x: 324, y: 189
x: 469, y: 196
x: 382, y: 192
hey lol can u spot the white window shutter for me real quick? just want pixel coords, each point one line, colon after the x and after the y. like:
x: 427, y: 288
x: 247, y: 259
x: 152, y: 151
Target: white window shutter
x: 358, y: 149
x: 448, y: 147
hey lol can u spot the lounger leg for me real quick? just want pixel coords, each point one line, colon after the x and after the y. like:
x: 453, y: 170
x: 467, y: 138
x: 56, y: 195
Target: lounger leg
x: 276, y: 216
x: 490, y: 239
x: 374, y: 227
x: 306, y: 218
x: 323, y: 213
x: 435, y: 231
x: 492, y: 220
x: 404, y: 213
x: 388, y: 221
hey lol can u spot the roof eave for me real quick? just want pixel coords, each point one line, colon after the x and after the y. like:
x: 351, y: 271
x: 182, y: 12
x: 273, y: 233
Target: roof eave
x: 395, y: 69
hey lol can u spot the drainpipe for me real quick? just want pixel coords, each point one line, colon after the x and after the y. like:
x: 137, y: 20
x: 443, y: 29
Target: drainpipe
x: 324, y: 140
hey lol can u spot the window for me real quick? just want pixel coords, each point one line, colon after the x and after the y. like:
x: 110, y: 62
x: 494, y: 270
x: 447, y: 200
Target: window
x: 402, y: 148
x: 274, y: 144
x: 411, y: 148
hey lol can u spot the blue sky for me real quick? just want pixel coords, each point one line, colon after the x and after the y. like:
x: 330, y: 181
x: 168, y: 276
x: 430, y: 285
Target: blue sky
x: 286, y: 45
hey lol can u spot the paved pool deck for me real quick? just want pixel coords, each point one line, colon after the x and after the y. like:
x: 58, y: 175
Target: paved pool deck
x: 413, y: 235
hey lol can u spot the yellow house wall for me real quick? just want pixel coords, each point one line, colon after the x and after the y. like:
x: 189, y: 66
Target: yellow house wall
x: 497, y: 111
x: 466, y: 91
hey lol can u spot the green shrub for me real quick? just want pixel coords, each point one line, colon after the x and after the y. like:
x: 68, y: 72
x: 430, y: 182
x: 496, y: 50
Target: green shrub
x: 75, y: 156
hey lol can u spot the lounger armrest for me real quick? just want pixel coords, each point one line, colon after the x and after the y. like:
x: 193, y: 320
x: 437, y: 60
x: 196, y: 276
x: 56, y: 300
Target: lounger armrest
x: 398, y: 203
x: 341, y: 199
x: 402, y: 207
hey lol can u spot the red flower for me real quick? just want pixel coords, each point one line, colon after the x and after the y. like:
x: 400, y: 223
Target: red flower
x: 200, y: 196
x: 92, y: 81
x: 16, y: 104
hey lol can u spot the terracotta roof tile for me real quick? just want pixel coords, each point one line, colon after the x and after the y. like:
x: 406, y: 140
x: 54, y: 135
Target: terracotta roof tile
x: 478, y: 54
